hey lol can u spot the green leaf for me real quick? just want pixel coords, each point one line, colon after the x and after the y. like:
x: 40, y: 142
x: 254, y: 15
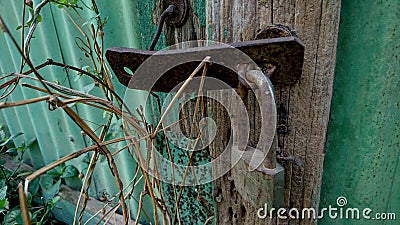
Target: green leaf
x: 3, y: 193
x: 18, y: 219
x: 30, y: 20
x: 32, y: 16
x: 20, y: 26
x: 86, y: 68
x: 3, y: 204
x: 10, y: 218
x: 105, y: 20
x: 2, y: 134
x: 54, y: 189
x: 39, y: 18
x: 46, y: 181
x: 30, y: 142
x: 67, y: 3
x: 29, y: 198
x: 91, y: 20
x: 54, y: 201
x: 4, y: 177
x: 57, y: 171
x: 24, y: 174
x: 34, y: 186
x: 48, y: 188
x: 12, y: 151
x: 88, y: 88
x: 10, y: 139
x: 70, y: 171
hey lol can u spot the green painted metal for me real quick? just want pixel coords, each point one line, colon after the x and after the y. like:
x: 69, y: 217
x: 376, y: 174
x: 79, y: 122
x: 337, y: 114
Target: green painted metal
x: 195, y: 203
x: 148, y: 25
x: 130, y: 24
x: 199, y: 10
x: 363, y: 144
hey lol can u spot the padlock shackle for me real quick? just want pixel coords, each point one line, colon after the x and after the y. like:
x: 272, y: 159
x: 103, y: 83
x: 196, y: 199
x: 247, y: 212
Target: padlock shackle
x: 266, y: 99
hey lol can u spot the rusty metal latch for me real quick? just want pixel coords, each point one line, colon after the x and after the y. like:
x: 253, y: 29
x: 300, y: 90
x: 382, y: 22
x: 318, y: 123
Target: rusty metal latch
x: 284, y: 55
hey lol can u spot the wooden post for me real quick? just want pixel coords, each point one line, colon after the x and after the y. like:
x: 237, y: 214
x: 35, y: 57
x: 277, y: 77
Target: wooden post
x: 303, y: 107
x: 306, y: 102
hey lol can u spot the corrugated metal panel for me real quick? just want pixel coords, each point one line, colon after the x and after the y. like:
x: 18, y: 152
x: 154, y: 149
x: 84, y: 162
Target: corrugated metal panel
x: 56, y: 134
x: 363, y: 144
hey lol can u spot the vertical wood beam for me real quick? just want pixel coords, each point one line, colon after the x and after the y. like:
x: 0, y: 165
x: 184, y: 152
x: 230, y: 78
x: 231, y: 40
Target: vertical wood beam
x: 308, y: 101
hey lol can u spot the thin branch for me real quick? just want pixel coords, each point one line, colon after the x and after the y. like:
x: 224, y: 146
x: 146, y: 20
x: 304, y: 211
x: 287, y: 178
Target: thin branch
x: 4, y: 105
x: 140, y: 206
x: 27, y: 60
x: 85, y: 188
x: 107, y: 86
x: 23, y: 32
x: 180, y: 91
x: 60, y: 88
x: 33, y: 26
x: 67, y: 158
x: 23, y: 205
x: 7, y: 85
x: 89, y: 173
x: 200, y: 92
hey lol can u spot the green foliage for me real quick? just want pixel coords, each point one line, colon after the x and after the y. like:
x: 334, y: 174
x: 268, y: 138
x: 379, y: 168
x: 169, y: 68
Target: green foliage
x: 42, y: 193
x: 59, y: 3
x: 95, y: 18
x: 67, y: 3
x: 31, y: 19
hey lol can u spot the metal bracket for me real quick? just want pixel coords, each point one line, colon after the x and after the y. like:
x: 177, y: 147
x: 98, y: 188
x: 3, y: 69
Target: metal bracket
x: 286, y: 54
x: 180, y: 15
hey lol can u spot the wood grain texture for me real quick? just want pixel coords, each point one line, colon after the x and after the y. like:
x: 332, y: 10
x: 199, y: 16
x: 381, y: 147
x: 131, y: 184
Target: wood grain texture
x: 307, y: 101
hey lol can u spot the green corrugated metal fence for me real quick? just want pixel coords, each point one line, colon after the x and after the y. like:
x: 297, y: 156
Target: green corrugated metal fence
x: 55, y: 38
x: 363, y: 145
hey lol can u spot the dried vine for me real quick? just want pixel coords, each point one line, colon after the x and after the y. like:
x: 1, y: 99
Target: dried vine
x: 59, y: 96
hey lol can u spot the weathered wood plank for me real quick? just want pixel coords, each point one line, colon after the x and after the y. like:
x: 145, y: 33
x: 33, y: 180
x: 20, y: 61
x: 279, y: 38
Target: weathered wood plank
x: 307, y: 102
x: 322, y: 93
